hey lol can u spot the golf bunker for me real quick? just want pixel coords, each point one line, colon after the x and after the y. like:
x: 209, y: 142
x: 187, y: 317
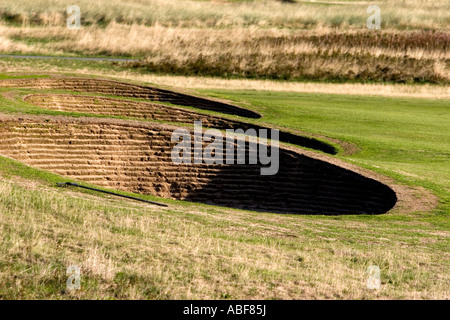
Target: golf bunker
x: 135, y: 156
x: 154, y: 111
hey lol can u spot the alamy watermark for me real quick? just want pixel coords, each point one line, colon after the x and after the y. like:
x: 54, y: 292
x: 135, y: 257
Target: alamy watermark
x: 74, y: 279
x: 374, y: 279
x: 235, y: 151
x: 374, y: 21
x: 74, y: 18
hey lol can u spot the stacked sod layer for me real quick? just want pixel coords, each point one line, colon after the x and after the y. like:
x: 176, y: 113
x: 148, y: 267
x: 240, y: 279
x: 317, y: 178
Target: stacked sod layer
x: 136, y: 156
x: 153, y: 111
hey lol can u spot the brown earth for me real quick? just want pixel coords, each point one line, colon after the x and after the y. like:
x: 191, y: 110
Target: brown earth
x: 135, y: 156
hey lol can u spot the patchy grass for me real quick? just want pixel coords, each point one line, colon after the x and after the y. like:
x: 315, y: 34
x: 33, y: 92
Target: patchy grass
x: 10, y: 76
x: 131, y: 251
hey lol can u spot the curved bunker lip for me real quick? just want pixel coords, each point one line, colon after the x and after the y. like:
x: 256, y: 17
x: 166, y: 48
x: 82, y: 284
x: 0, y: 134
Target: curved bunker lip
x: 148, y: 110
x: 123, y: 89
x: 135, y: 156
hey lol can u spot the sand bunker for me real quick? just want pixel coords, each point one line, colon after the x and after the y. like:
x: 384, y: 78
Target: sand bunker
x: 154, y: 111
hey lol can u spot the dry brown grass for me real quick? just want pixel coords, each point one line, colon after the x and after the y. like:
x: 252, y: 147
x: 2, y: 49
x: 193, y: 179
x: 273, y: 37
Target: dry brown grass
x: 404, y: 57
x: 127, y: 250
x: 407, y: 14
x: 260, y: 39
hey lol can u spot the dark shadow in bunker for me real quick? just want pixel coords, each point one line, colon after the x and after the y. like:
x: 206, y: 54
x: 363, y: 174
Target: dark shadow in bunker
x: 284, y: 136
x: 302, y: 186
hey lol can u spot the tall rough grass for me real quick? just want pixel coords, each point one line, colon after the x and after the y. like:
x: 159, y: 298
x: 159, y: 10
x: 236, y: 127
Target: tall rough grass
x: 407, y: 14
x: 250, y: 39
x: 406, y: 57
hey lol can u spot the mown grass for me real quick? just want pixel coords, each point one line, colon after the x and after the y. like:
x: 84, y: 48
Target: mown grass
x: 9, y: 76
x: 410, y: 134
x: 128, y: 250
